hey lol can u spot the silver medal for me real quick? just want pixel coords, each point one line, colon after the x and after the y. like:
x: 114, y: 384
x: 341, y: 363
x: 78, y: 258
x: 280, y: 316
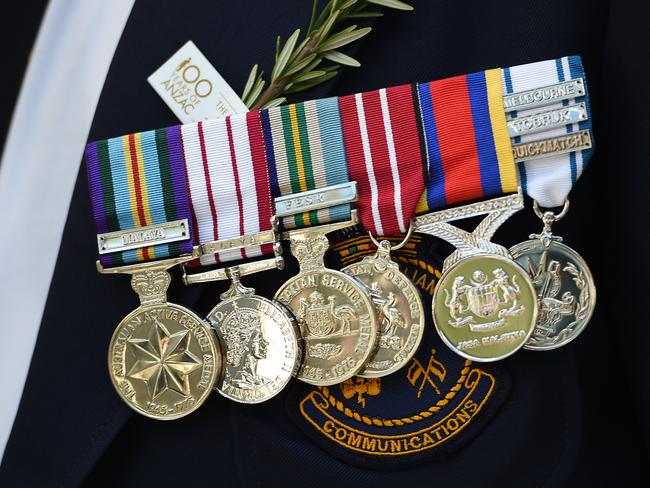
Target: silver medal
x: 565, y: 289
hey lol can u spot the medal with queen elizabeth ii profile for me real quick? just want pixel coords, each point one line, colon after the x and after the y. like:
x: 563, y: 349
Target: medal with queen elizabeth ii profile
x: 260, y: 343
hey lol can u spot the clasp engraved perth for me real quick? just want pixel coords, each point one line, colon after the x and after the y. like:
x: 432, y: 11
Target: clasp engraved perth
x: 325, y: 197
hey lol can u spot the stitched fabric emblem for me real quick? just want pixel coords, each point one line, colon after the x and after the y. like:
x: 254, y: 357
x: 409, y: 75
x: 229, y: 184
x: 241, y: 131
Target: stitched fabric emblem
x: 427, y: 410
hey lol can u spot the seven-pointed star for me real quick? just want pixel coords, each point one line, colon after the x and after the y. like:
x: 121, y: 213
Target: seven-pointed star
x: 163, y: 360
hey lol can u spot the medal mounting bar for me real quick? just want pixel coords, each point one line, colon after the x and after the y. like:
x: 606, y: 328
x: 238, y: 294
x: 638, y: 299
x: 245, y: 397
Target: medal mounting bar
x: 137, y: 238
x: 514, y: 201
x: 159, y: 265
x: 497, y: 211
x: 328, y: 196
x: 241, y: 242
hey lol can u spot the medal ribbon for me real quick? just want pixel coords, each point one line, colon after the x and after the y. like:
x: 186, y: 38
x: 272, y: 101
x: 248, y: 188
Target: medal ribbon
x: 466, y: 139
x: 385, y: 155
x: 135, y: 181
x: 228, y: 183
x: 550, y: 179
x: 305, y: 150
x: 382, y: 138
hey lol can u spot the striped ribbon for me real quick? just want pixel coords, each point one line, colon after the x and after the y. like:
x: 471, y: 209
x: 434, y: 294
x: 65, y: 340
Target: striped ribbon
x: 138, y: 180
x: 382, y: 137
x: 229, y: 184
x: 305, y: 150
x: 466, y: 139
x: 549, y: 180
x: 385, y: 155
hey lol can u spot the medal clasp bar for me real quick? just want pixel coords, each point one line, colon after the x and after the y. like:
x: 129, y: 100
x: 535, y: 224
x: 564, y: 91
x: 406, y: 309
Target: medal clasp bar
x: 149, y: 235
x: 329, y: 196
x: 497, y: 211
x: 265, y: 237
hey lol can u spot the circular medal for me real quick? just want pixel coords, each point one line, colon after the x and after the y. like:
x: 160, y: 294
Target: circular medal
x: 485, y: 307
x: 399, y: 310
x: 566, y: 294
x: 163, y: 360
x: 337, y: 322
x: 259, y: 340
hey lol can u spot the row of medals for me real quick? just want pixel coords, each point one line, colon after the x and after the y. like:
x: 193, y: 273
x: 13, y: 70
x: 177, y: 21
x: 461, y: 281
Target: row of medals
x: 325, y: 326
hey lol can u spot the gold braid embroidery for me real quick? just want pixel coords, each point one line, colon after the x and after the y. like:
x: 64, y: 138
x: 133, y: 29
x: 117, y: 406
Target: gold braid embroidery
x: 353, y: 414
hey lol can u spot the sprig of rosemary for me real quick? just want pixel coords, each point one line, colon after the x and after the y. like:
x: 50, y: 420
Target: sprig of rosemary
x: 298, y: 63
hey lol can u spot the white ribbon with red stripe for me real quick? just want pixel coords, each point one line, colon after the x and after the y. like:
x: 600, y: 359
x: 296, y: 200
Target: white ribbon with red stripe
x: 226, y: 158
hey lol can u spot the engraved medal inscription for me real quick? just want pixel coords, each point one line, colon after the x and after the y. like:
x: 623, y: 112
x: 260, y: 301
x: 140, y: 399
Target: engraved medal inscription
x: 337, y: 323
x: 399, y: 310
x: 260, y: 346
x: 163, y: 361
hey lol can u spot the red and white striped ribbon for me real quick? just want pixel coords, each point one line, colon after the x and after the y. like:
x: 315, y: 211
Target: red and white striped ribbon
x: 227, y: 171
x: 385, y: 156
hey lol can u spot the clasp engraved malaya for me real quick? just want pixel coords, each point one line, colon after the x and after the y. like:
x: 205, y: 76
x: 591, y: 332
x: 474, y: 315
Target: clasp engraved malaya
x: 484, y: 305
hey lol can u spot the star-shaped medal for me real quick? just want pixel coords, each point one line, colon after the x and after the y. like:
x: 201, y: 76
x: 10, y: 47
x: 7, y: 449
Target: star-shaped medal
x: 163, y: 360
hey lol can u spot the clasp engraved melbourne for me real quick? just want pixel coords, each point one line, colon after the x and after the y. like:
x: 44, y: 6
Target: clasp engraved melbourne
x: 544, y: 95
x: 307, y: 201
x: 149, y: 235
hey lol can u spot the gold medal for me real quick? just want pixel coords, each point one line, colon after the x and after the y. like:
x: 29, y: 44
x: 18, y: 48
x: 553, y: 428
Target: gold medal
x: 484, y: 306
x: 163, y: 359
x: 335, y: 312
x: 398, y: 306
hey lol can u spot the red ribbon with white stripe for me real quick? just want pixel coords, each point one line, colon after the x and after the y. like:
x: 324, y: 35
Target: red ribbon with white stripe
x: 385, y: 156
x: 226, y: 158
